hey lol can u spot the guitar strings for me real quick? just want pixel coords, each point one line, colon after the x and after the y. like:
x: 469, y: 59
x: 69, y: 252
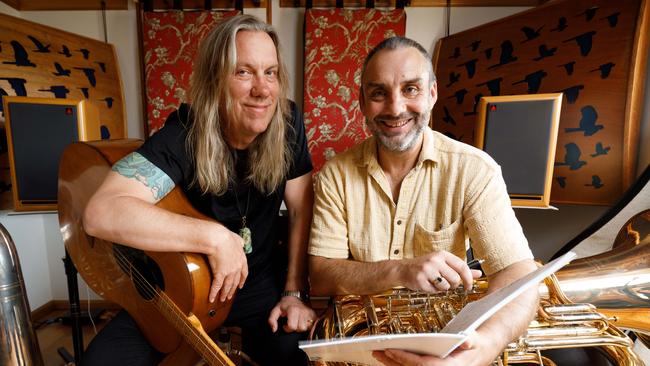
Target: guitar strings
x: 153, y: 292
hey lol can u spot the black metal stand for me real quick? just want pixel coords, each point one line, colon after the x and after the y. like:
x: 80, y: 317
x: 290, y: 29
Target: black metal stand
x: 75, y: 309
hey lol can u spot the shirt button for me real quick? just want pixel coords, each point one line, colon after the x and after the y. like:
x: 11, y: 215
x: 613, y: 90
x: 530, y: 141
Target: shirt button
x: 399, y: 222
x: 396, y: 251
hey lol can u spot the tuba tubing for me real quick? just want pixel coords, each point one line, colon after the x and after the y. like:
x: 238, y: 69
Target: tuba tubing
x: 18, y: 342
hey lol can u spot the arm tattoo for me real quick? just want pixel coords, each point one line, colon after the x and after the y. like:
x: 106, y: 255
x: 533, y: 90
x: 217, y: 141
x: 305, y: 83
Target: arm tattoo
x: 138, y: 167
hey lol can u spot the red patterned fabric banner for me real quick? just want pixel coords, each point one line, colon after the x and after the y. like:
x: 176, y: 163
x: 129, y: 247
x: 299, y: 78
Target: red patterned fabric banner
x: 336, y: 44
x: 171, y: 39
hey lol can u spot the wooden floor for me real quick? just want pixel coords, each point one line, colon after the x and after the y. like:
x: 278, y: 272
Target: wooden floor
x: 53, y: 333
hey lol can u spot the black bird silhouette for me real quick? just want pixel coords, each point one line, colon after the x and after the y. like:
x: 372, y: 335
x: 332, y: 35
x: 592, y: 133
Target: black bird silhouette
x: 587, y: 123
x: 459, y: 95
x: 60, y: 71
x: 477, y: 98
x: 545, y: 52
x: 65, y: 51
x: 572, y: 93
x: 605, y: 69
x: 600, y: 150
x: 506, y: 54
x: 571, y: 157
x: 584, y: 41
x: 18, y: 85
x: 20, y: 55
x: 568, y: 67
x: 595, y: 182
x: 102, y: 65
x: 488, y: 53
x: 530, y: 33
x: 447, y: 118
x: 59, y: 91
x: 40, y: 47
x: 84, y: 52
x: 84, y: 91
x: 456, y: 53
x: 109, y: 101
x: 90, y: 75
x: 561, y: 181
x: 561, y: 25
x: 534, y: 81
x: 105, y: 132
x: 589, y: 13
x: 453, y: 78
x: 474, y: 45
x: 612, y: 19
x: 470, y: 67
x: 494, y: 86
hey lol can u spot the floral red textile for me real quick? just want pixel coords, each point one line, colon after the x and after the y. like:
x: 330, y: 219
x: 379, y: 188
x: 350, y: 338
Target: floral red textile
x: 336, y: 44
x: 170, y: 41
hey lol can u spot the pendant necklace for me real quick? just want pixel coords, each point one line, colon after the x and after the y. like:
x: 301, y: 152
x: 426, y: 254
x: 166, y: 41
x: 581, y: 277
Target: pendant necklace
x: 245, y: 231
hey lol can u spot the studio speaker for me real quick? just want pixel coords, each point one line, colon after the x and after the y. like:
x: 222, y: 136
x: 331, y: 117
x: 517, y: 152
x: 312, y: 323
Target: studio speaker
x: 38, y: 129
x: 520, y: 133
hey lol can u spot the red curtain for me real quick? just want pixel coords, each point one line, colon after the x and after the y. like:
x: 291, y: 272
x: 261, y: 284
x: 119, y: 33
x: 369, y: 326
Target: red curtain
x: 170, y: 42
x: 336, y: 44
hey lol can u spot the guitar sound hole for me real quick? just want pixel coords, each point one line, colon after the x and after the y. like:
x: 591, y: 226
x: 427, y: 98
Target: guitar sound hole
x: 145, y: 274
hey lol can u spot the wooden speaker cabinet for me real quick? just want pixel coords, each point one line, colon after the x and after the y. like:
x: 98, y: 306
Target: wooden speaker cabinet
x: 520, y: 133
x: 38, y: 129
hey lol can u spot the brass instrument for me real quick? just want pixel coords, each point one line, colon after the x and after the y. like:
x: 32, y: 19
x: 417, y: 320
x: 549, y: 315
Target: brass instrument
x: 18, y: 342
x: 581, y: 306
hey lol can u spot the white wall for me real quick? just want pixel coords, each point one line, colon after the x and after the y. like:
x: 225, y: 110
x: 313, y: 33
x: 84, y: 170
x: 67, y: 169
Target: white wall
x: 37, y: 237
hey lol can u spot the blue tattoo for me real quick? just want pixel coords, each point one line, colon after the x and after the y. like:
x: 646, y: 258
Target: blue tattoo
x: 138, y: 167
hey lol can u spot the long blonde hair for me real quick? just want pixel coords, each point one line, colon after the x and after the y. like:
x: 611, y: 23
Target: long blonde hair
x: 270, y: 153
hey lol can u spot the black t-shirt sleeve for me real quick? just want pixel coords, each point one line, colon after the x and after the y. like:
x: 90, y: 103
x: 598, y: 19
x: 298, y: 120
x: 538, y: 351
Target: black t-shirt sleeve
x: 301, y: 158
x: 166, y: 148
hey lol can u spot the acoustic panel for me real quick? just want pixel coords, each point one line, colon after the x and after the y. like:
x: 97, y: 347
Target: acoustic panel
x: 592, y: 51
x: 337, y: 42
x: 38, y: 129
x: 170, y: 40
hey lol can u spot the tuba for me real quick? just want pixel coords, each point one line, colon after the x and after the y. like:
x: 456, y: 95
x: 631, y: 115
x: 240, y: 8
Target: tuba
x: 585, y: 304
x: 18, y: 342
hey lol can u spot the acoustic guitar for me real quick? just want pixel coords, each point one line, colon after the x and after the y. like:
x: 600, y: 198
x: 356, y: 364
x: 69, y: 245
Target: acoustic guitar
x: 165, y: 293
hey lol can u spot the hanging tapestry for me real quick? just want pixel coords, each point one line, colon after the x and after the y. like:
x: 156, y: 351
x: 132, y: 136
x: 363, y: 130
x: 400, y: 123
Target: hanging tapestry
x: 170, y: 42
x: 589, y: 50
x: 336, y: 44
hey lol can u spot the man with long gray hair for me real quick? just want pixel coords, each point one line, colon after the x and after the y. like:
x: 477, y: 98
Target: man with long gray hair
x: 237, y: 152
x: 401, y: 208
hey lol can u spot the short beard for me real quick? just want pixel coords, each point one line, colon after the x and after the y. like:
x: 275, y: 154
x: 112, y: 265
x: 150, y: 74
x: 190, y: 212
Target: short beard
x: 408, y: 141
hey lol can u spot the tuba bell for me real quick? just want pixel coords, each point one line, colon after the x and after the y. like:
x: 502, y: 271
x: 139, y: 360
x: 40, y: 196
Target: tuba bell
x: 585, y: 304
x: 18, y: 342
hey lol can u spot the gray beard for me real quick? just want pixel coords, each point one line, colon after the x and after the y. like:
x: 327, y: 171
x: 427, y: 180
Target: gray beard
x: 405, y: 143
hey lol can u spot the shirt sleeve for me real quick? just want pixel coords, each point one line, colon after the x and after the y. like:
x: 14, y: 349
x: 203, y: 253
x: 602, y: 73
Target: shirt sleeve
x: 166, y: 148
x: 493, y: 228
x: 329, y: 233
x: 301, y: 158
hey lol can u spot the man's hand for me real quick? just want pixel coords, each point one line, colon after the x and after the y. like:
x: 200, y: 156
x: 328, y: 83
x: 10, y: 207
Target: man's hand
x: 229, y: 266
x: 300, y: 317
x: 472, y: 352
x: 437, y: 271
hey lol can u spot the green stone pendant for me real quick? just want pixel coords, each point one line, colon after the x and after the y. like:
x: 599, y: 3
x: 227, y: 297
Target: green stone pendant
x: 245, y: 233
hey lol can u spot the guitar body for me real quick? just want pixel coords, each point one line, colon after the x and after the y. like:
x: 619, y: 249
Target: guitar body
x: 116, y: 272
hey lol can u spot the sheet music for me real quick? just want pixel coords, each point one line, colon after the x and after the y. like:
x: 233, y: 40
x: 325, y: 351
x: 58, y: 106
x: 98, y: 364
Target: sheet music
x: 359, y: 349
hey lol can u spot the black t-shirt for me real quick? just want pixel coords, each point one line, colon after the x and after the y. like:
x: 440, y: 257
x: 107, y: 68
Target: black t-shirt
x: 167, y: 150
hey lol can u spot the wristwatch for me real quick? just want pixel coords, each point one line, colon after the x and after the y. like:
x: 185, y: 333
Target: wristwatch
x: 302, y: 295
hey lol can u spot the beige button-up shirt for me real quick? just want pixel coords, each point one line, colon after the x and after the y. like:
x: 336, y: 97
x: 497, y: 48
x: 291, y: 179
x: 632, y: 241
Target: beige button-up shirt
x: 455, y: 195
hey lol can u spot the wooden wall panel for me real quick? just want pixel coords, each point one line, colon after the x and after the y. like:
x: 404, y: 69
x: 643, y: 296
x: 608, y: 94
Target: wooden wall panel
x: 590, y: 50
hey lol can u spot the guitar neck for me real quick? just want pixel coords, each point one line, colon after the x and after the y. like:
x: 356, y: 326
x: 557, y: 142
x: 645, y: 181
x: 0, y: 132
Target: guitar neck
x: 192, y: 331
